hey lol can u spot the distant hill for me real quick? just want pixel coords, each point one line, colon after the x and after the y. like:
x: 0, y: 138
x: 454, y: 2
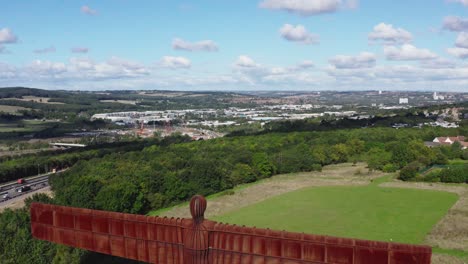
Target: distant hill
x: 18, y: 92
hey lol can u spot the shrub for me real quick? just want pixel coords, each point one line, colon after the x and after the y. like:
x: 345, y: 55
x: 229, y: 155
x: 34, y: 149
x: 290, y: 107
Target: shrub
x: 316, y: 167
x: 455, y: 174
x: 409, y: 171
x: 433, y: 176
x: 389, y: 168
x: 465, y: 154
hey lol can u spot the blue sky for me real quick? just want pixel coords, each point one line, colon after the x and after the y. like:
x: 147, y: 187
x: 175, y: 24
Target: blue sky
x: 235, y: 45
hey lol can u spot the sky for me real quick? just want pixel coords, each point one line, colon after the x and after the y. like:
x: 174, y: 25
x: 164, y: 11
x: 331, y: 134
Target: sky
x: 235, y: 44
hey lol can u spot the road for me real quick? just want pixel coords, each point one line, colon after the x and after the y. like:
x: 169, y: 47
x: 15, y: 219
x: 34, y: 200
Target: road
x: 10, y: 191
x: 18, y: 201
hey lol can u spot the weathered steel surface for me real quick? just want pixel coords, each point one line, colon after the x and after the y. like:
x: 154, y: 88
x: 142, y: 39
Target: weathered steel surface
x: 200, y: 241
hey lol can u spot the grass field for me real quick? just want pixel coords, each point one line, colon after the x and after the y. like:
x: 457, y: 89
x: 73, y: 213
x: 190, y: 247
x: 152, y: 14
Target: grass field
x: 24, y: 126
x: 129, y: 102
x: 44, y: 100
x: 366, y: 212
x: 12, y: 109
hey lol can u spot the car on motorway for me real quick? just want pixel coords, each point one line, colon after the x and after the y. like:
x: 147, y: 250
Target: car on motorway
x: 5, y: 196
x: 23, y: 189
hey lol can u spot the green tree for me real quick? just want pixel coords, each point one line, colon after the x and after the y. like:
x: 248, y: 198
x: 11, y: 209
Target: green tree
x: 377, y: 158
x: 242, y: 173
x: 409, y: 171
x: 262, y: 165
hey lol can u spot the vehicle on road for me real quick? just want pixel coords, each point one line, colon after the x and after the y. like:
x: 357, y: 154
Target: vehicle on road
x: 23, y: 189
x: 21, y: 181
x: 5, y: 196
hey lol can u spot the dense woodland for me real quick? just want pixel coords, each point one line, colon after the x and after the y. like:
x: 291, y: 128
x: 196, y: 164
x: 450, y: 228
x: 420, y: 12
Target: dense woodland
x: 13, y: 168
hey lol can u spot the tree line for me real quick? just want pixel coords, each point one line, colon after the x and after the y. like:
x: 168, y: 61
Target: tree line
x: 13, y: 168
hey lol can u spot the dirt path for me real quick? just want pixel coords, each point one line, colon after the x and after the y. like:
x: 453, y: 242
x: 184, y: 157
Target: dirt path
x: 446, y: 259
x: 341, y: 174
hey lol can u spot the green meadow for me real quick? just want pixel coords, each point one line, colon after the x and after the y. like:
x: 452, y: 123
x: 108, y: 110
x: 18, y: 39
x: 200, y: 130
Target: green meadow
x: 365, y: 212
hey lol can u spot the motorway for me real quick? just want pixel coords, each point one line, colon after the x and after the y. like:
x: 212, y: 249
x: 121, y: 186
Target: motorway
x: 10, y: 190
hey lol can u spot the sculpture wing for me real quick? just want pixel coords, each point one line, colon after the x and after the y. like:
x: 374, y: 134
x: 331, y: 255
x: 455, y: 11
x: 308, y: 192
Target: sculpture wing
x: 142, y: 238
x: 161, y: 240
x: 234, y: 245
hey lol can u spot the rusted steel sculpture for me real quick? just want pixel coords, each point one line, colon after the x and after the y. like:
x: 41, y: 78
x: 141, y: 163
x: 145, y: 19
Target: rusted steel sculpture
x: 200, y: 241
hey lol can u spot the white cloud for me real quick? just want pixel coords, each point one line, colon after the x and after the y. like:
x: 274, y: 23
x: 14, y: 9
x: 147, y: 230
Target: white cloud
x: 45, y: 68
x: 407, y: 76
x: 83, y: 69
x: 245, y: 62
x: 463, y: 2
x: 247, y: 71
x: 390, y: 35
x: 408, y: 52
x: 175, y: 62
x: 462, y: 40
x: 298, y: 34
x: 79, y: 50
x: 113, y: 68
x: 363, y: 60
x: 303, y: 7
x: 306, y: 64
x: 82, y: 64
x: 439, y: 63
x: 7, y: 36
x: 203, y: 45
x: 454, y: 23
x: 7, y: 71
x: 50, y: 49
x: 117, y: 73
x: 128, y: 67
x: 461, y: 53
x: 352, y: 4
x: 88, y: 10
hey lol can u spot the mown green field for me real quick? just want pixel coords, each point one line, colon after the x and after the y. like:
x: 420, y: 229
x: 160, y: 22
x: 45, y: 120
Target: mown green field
x: 366, y: 212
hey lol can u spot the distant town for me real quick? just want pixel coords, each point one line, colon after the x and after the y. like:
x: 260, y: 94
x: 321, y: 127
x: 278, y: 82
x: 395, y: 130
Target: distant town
x: 205, y: 123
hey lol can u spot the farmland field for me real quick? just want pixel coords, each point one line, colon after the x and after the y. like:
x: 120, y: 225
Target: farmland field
x: 366, y: 212
x: 129, y: 102
x: 36, y: 99
x: 24, y: 126
x: 11, y: 109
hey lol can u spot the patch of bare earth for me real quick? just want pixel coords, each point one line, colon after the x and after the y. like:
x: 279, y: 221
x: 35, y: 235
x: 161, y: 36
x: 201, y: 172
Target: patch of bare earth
x: 333, y: 175
x: 446, y: 259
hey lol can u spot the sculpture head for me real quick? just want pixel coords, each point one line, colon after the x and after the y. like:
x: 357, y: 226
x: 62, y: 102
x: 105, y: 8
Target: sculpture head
x: 197, y: 208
